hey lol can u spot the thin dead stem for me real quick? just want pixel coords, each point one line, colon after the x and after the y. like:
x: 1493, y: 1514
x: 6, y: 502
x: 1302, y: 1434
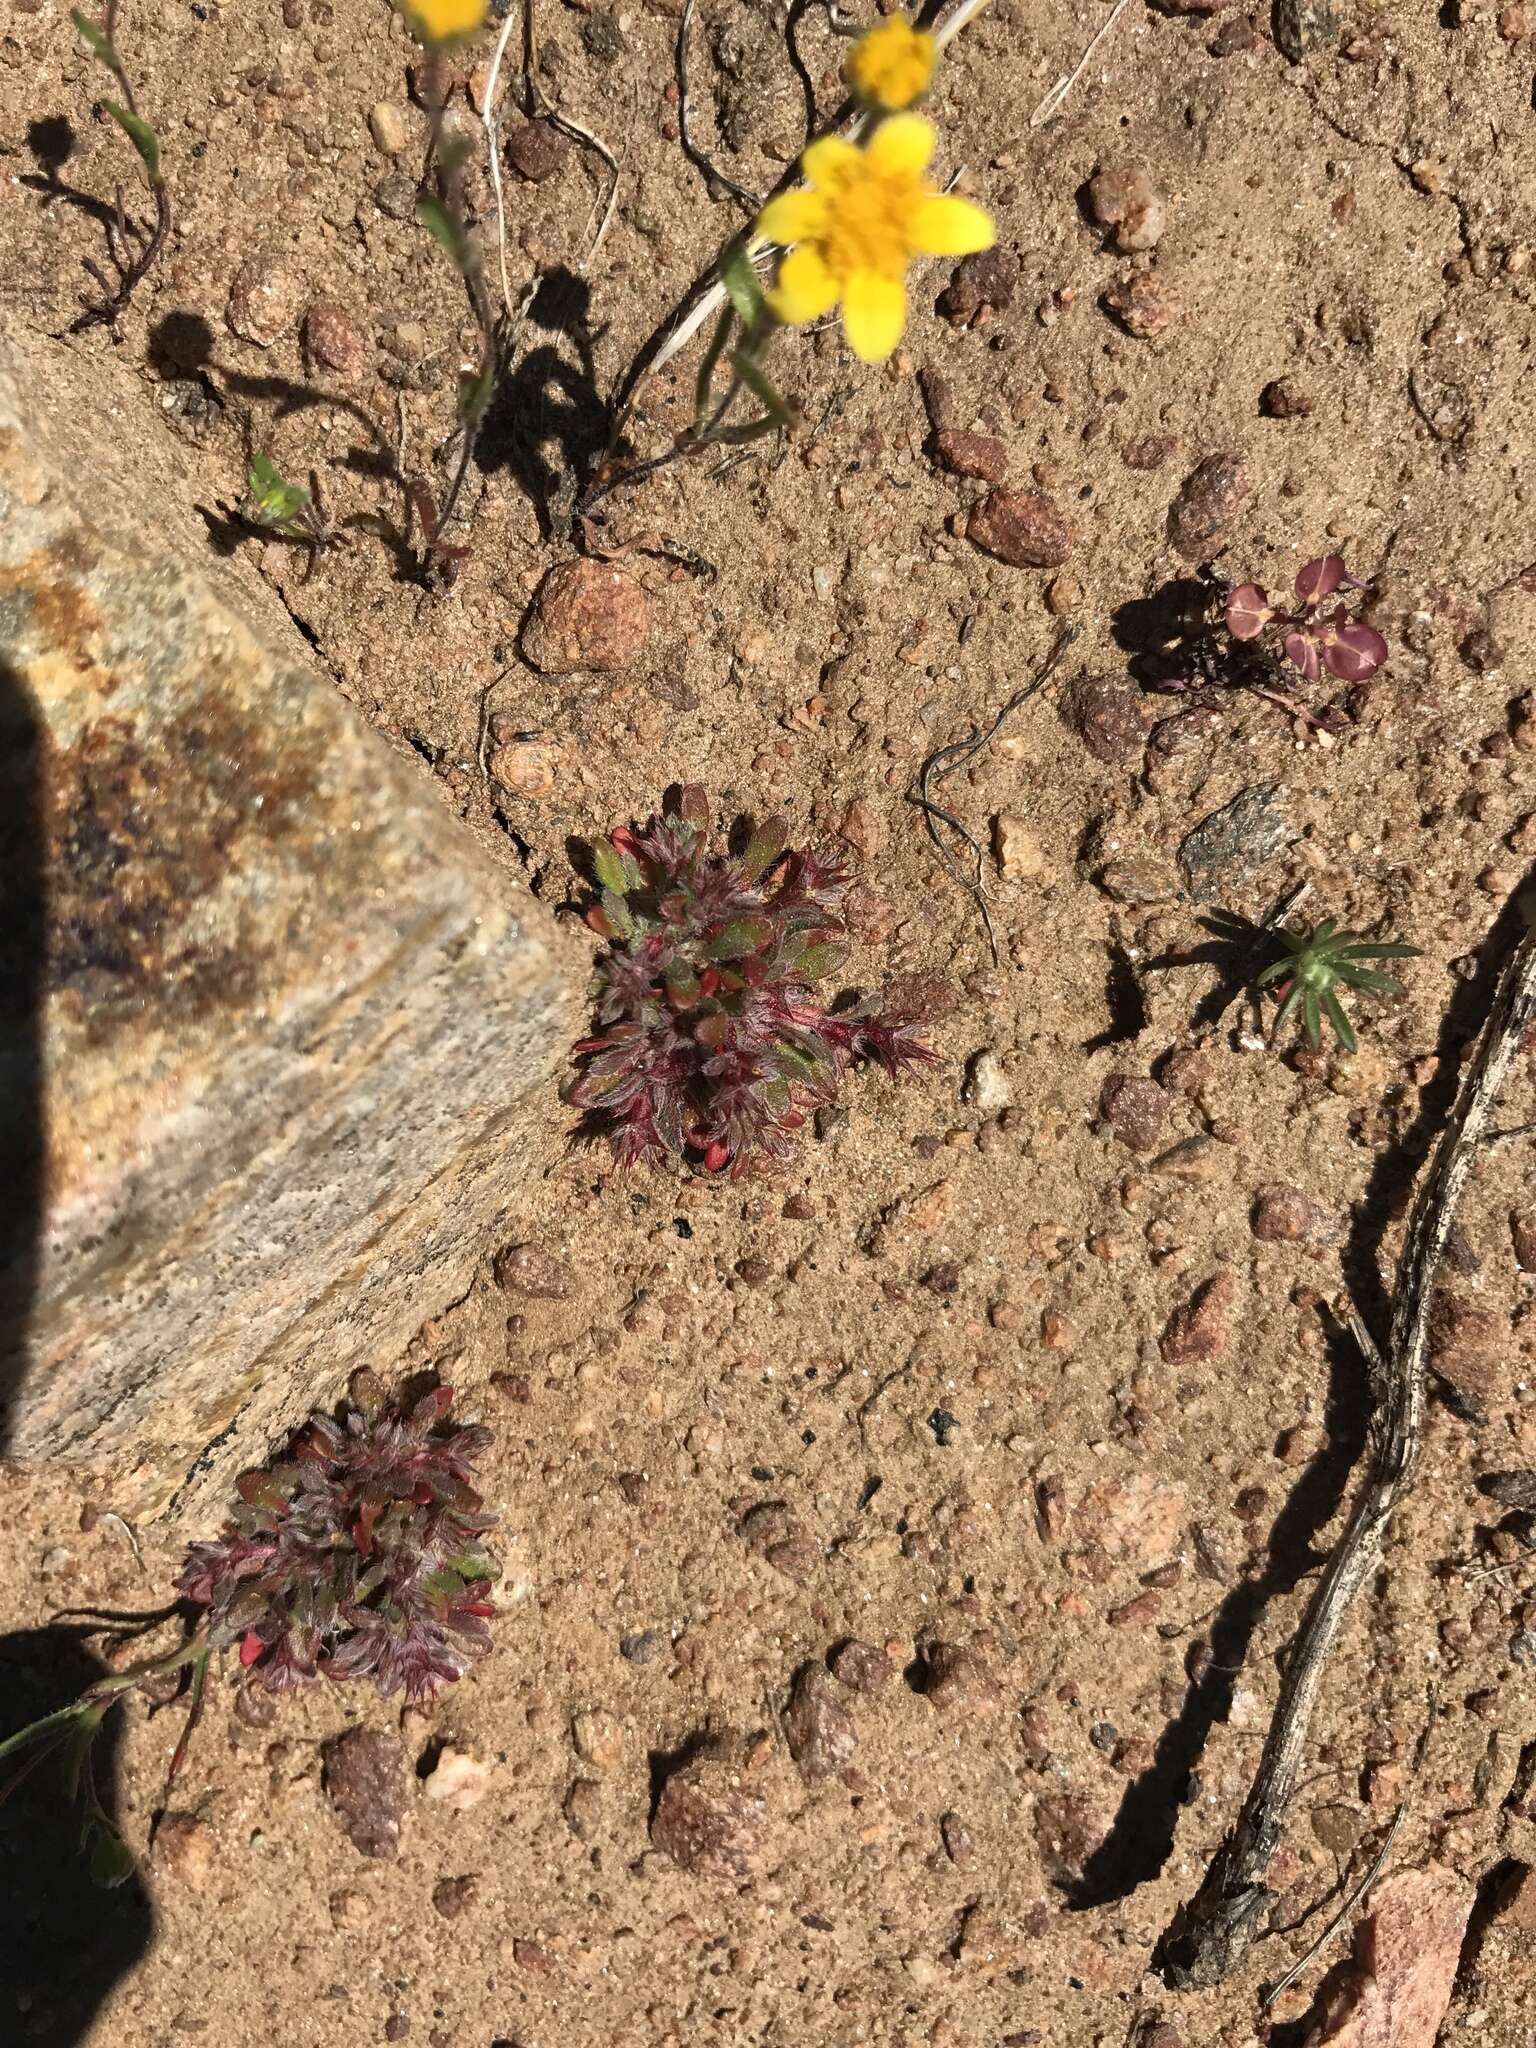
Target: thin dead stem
x: 945, y: 760
x: 1221, y: 1920
x: 695, y: 151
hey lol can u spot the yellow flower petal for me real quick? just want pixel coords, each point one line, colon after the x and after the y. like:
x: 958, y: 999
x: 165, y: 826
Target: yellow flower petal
x: 793, y: 217
x: 874, y: 313
x: 443, y: 21
x: 823, y: 161
x: 900, y: 147
x: 805, y: 289
x: 947, y: 226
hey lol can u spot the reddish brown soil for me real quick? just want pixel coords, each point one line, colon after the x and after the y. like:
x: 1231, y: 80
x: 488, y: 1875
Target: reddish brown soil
x: 1104, y: 1520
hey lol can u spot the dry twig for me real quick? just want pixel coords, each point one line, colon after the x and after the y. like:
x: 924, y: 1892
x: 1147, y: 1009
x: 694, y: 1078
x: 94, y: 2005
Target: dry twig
x: 1216, y: 1927
x: 1373, y: 1871
x: 695, y: 151
x: 1051, y: 105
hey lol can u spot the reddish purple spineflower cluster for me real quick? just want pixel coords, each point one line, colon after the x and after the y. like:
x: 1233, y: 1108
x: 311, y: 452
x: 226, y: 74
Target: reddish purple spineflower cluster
x: 1312, y: 639
x: 709, y: 1044
x: 357, y: 1554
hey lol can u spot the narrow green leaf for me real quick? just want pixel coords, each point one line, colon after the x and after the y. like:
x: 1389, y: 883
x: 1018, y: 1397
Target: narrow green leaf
x: 100, y: 46
x: 1288, y: 1004
x: 704, y: 385
x: 1311, y: 1014
x: 475, y: 394
x: 738, y: 937
x: 452, y: 154
x: 1374, y: 952
x: 768, y: 842
x: 141, y: 135
x: 1274, y: 971
x: 1366, y: 977
x: 108, y: 1857
x: 607, y: 866
x: 749, y: 430
x: 750, y: 371
x: 36, y: 1730
x: 742, y: 285
x: 818, y: 960
x: 1340, y: 1022
x: 442, y: 227
x: 616, y: 911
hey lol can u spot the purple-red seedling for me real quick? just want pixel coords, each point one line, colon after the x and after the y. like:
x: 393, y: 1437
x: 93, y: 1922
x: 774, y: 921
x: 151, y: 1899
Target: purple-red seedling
x: 711, y: 1046
x: 1311, y: 639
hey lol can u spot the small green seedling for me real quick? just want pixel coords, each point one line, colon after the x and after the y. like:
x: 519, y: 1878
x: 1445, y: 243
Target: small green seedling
x: 1315, y: 964
x: 445, y: 216
x: 288, y: 509
x: 132, y: 245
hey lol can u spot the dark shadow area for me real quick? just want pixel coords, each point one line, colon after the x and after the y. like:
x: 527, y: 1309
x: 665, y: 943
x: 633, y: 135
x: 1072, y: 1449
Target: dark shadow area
x: 1141, y: 1840
x: 51, y: 140
x: 181, y: 345
x: 1123, y: 999
x: 1170, y: 636
x: 64, y: 1942
x: 666, y: 1763
x: 547, y: 422
x: 23, y: 936
x: 1237, y: 948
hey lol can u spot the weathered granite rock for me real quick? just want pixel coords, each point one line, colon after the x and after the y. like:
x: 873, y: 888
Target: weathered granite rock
x: 291, y: 1028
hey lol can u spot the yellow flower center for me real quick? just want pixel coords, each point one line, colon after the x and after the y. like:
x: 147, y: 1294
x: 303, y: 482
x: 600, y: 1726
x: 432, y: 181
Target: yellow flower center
x: 869, y: 222
x: 891, y: 64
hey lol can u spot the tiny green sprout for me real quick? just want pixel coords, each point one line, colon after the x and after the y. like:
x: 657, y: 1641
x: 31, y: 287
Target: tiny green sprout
x: 288, y: 510
x: 271, y: 501
x: 1315, y: 963
x: 132, y: 245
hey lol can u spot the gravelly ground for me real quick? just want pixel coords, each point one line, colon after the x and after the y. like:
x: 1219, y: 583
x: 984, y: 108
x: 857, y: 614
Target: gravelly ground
x: 1114, y: 1541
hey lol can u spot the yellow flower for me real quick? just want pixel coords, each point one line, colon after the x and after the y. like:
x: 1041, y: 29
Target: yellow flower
x: 443, y: 21
x: 891, y: 64
x: 867, y: 214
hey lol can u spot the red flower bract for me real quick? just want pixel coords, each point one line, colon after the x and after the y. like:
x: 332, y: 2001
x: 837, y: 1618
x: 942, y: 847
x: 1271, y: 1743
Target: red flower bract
x: 710, y: 1045
x: 356, y: 1555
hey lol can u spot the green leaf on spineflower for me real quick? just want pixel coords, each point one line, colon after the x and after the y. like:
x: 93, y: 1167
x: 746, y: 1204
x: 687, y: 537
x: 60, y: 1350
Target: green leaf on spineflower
x: 141, y: 135
x: 102, y: 48
x: 742, y: 285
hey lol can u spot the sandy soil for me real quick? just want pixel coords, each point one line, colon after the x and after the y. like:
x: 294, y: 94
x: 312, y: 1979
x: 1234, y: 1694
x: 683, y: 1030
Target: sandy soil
x: 939, y: 1340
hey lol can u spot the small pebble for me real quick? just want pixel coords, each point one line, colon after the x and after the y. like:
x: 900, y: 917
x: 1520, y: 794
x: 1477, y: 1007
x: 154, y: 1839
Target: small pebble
x: 1123, y: 196
x: 264, y: 298
x: 390, y: 127
x: 586, y: 615
x: 457, y: 1780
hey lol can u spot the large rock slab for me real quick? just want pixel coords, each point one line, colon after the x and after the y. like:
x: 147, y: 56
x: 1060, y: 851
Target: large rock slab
x: 275, y: 1036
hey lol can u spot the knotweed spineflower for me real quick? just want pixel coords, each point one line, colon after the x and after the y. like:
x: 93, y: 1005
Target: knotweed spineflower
x: 438, y: 22
x: 711, y: 1045
x: 356, y: 1555
x: 891, y: 65
x: 868, y: 215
